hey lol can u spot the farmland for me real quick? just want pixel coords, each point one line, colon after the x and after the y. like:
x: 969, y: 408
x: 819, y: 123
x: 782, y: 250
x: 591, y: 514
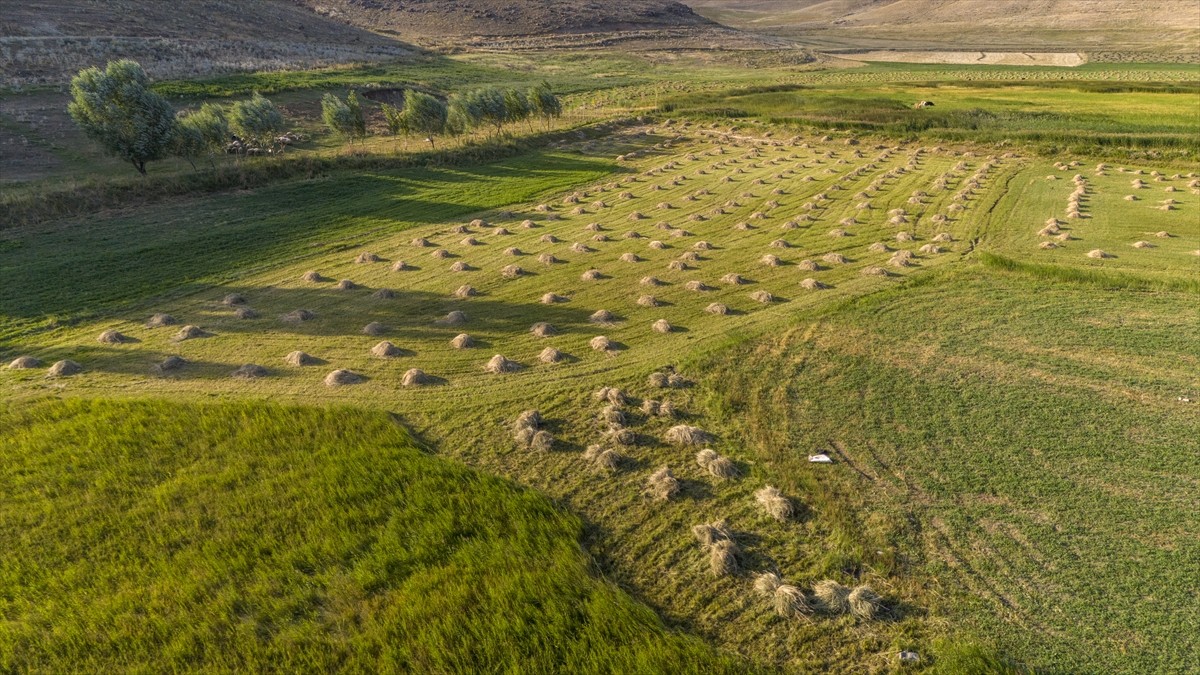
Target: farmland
x: 821, y: 270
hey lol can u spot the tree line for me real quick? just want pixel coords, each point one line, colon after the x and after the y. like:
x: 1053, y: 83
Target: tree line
x: 116, y: 108
x: 487, y: 108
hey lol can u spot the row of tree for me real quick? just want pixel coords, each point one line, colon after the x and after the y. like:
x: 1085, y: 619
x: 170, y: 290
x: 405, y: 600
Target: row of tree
x: 116, y: 108
x: 488, y: 108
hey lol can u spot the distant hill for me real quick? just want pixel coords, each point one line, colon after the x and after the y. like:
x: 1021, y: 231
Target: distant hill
x: 45, y: 41
x: 1084, y: 25
x: 419, y: 19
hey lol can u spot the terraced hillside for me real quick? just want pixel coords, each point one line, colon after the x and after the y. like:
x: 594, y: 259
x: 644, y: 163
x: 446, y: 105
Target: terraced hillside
x: 609, y: 307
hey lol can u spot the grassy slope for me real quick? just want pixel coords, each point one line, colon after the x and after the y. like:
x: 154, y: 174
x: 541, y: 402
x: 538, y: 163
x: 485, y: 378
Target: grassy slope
x: 147, y: 522
x: 1024, y: 447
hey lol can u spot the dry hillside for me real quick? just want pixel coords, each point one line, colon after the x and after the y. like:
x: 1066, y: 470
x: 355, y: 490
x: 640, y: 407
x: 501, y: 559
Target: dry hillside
x: 44, y: 41
x: 418, y: 19
x: 1092, y: 25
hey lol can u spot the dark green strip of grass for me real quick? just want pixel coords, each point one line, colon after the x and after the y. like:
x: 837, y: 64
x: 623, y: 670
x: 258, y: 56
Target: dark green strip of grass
x: 1106, y: 279
x: 160, y: 537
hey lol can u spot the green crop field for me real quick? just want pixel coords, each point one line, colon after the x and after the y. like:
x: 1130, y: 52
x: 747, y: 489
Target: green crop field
x: 984, y: 313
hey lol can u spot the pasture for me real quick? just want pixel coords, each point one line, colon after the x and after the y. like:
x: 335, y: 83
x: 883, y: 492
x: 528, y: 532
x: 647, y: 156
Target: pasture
x: 1004, y: 412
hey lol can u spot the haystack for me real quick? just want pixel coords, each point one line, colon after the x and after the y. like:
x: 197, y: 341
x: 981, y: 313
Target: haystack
x: 65, y: 368
x: 551, y: 355
x: 465, y: 291
x: 24, y: 362
x: 453, y: 318
x: 1097, y: 254
x: 602, y: 316
x: 346, y: 285
x: 547, y: 259
x: 440, y: 254
x: 650, y: 281
x: 591, y: 275
x: 233, y: 299
x: 414, y: 377
x: 189, y: 333
x: 342, y: 377
x: 245, y: 313
x: 498, y: 364
x: 762, y: 296
x: 662, y: 326
x: 683, y: 434
x: 552, y: 298
x: 662, y: 485
x: 772, y: 501
x: 298, y: 316
x: 833, y: 596
x: 864, y: 602
x: 160, y: 320
x: 543, y: 330
x: 874, y: 271
x: 299, y: 358
x: 770, y: 260
x: 600, y: 343
x: 834, y: 258
x: 386, y: 350
x: 312, y: 277
x: 366, y: 257
x: 249, y: 371
x: 630, y: 258
x: 112, y: 337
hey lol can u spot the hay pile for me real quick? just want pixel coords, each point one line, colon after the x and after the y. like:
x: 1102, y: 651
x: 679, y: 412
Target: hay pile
x: 602, y: 316
x: 552, y: 298
x: 690, y: 256
x: 715, y: 464
x: 657, y: 245
x: 717, y: 308
x: 312, y: 277
x: 386, y: 350
x: 233, y: 299
x: 733, y: 279
x: 384, y: 294
x: 647, y: 301
x: 591, y: 275
x: 577, y: 247
x: 65, y: 368
x: 462, y: 341
x: 245, y: 313
x: 630, y: 258
x: 1097, y: 254
x: 440, y: 254
x: 662, y: 326
x: 864, y: 602
x: 346, y: 285
x: 169, y: 365
x: 770, y: 260
x: 874, y: 271
x: 498, y: 364
x: 943, y: 237
x: 513, y: 251
x: 112, y: 337
x: 683, y: 434
x: 780, y: 243
x: 662, y: 485
x: 878, y: 247
x: 677, y: 266
x: 833, y: 596
x: 1163, y: 235
x: 603, y: 459
x: 789, y: 602
x: 24, y: 362
x: 298, y: 316
x: 299, y: 358
x: 547, y: 259
x: 543, y: 330
x: 465, y: 291
x: 160, y: 320
x: 342, y: 377
x: 414, y: 377
x: 930, y: 249
x: 697, y: 285
x: 453, y: 318
x: 600, y: 343
x: 834, y: 258
x: 366, y: 257
x: 838, y: 232
x: 772, y: 501
x: 401, y: 266
x: 460, y: 266
x: 811, y: 284
x: 249, y: 371
x: 374, y: 328
x: 650, y: 281
x: 549, y: 239
x: 511, y: 271
x: 551, y: 355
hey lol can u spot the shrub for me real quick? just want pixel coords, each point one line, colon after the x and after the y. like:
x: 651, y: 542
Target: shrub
x: 256, y: 121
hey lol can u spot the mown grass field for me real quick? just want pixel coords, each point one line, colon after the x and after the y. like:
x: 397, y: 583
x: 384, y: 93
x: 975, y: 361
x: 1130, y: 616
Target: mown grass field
x: 1010, y: 448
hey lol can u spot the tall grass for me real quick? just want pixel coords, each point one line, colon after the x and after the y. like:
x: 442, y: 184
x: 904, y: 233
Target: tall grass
x: 151, y: 536
x: 1106, y: 279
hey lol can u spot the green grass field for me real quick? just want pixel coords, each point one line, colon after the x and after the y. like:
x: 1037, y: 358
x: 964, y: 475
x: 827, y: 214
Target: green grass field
x: 1013, y: 454
x: 254, y: 537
